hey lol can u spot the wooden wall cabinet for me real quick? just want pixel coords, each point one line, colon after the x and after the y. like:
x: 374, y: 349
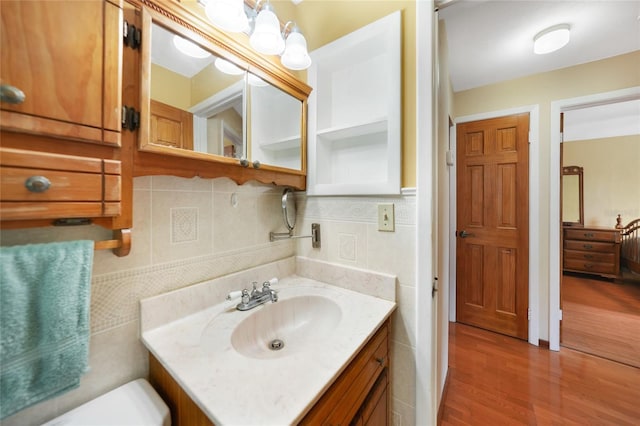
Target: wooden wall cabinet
x: 263, y: 156
x: 358, y: 396
x: 592, y: 250
x: 63, y: 84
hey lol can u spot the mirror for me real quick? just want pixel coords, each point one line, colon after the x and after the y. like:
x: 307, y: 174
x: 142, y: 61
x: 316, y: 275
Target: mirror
x: 196, y: 97
x: 202, y: 105
x: 572, y: 196
x: 289, y: 208
x: 274, y: 137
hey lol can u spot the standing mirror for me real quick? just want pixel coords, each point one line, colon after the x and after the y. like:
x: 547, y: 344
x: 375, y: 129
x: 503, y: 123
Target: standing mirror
x: 572, y: 196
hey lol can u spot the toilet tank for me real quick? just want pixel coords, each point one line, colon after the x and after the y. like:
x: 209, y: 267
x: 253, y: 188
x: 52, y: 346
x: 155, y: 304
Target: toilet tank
x: 133, y: 404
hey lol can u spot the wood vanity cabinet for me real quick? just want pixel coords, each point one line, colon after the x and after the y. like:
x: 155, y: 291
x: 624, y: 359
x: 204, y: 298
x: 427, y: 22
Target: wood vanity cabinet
x: 357, y: 397
x: 64, y: 76
x: 592, y: 250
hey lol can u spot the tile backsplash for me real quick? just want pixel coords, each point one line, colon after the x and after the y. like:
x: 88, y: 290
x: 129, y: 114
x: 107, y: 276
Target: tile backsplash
x: 187, y: 231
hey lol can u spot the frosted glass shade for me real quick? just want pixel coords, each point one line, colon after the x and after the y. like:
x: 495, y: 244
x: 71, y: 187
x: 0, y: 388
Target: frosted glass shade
x: 266, y: 37
x: 189, y: 48
x: 295, y: 56
x: 228, y: 15
x: 228, y: 67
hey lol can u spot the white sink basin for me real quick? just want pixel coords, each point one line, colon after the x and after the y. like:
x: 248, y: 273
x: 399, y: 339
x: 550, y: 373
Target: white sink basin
x: 288, y: 326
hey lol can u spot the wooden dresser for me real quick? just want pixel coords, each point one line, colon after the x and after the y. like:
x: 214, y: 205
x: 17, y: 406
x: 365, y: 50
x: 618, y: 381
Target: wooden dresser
x: 592, y: 250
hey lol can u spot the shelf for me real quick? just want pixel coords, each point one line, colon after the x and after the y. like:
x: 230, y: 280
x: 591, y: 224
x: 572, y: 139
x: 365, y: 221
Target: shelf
x: 281, y: 145
x: 345, y: 132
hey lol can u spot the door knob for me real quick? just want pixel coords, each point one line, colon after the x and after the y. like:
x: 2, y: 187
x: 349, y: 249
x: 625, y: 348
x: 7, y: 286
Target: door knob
x: 465, y: 234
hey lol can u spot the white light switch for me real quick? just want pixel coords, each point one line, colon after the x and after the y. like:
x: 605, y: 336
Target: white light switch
x: 386, y: 218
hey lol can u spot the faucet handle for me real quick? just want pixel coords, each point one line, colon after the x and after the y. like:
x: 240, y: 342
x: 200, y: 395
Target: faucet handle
x: 233, y: 294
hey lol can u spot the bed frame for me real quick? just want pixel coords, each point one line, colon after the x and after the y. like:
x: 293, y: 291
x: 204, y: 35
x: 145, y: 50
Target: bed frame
x: 630, y: 251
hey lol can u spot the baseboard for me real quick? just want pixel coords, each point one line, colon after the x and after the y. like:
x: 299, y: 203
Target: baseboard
x: 445, y: 388
x: 543, y: 343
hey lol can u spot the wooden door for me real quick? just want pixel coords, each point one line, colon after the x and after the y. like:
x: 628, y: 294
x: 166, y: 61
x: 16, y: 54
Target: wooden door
x: 493, y: 224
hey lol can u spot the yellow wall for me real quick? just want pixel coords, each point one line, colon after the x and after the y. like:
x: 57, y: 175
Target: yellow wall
x: 611, y: 177
x: 610, y: 74
x: 170, y: 88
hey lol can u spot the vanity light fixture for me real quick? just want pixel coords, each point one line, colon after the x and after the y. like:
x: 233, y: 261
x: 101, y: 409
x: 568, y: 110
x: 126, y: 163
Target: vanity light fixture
x: 227, y: 67
x: 228, y: 15
x: 266, y: 37
x: 551, y: 39
x: 295, y: 55
x: 189, y: 48
x: 263, y: 27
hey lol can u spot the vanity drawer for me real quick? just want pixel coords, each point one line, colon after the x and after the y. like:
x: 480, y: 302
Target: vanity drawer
x: 586, y: 266
x: 591, y: 235
x: 590, y: 246
x: 590, y: 256
x: 342, y: 401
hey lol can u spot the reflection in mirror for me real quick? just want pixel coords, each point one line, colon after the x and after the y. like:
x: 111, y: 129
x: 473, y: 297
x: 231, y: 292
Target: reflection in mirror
x: 275, y: 124
x: 196, y: 97
x: 572, y: 196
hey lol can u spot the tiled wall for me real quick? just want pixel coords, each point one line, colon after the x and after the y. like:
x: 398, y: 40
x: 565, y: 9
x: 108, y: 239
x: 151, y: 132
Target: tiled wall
x: 191, y: 230
x: 350, y: 237
x: 185, y: 231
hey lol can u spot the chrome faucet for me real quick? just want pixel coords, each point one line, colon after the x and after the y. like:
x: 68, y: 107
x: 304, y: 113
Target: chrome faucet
x: 256, y: 297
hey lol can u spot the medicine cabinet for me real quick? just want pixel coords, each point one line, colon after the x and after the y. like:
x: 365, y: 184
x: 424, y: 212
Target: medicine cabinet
x: 224, y: 111
x: 354, y: 112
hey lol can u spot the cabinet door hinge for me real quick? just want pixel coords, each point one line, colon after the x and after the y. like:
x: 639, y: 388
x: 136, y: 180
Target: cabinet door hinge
x: 130, y: 118
x: 131, y: 35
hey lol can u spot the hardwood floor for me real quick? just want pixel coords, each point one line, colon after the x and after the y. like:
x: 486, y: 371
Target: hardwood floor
x: 602, y: 317
x: 498, y: 380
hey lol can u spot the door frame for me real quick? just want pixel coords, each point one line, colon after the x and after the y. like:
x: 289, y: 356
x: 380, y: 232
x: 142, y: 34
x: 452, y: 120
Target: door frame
x: 534, y: 222
x: 555, y: 271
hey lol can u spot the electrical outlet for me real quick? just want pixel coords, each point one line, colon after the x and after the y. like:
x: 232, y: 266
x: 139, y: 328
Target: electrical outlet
x: 386, y: 218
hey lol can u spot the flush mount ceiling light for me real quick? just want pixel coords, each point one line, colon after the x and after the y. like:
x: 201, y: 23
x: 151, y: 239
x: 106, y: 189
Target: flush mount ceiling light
x: 295, y: 55
x: 266, y: 37
x: 551, y: 39
x: 189, y: 48
x: 228, y: 15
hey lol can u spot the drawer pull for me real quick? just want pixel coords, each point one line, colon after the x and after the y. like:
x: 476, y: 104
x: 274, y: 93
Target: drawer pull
x: 11, y: 94
x: 588, y: 246
x: 588, y: 256
x: 37, y: 184
x: 588, y: 234
x: 380, y: 360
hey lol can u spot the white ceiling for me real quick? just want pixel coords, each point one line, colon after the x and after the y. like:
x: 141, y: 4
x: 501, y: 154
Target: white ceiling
x: 492, y: 40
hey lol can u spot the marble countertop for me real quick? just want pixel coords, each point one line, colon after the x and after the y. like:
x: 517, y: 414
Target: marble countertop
x: 235, y: 389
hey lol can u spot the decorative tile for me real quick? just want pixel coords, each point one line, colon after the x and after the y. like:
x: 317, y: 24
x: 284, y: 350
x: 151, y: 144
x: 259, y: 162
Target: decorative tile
x: 184, y: 224
x: 347, y: 247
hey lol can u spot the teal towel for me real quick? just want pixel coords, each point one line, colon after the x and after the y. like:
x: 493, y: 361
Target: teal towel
x: 44, y: 321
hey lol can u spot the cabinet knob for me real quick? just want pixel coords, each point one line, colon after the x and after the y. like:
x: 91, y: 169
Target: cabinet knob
x: 256, y: 164
x: 37, y: 184
x: 11, y: 94
x: 244, y: 162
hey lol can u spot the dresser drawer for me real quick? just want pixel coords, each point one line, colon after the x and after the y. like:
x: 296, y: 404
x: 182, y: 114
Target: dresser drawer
x: 590, y: 256
x: 590, y: 246
x: 591, y: 235
x: 593, y: 267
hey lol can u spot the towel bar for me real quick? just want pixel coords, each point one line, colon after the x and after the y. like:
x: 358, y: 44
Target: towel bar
x: 121, y: 245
